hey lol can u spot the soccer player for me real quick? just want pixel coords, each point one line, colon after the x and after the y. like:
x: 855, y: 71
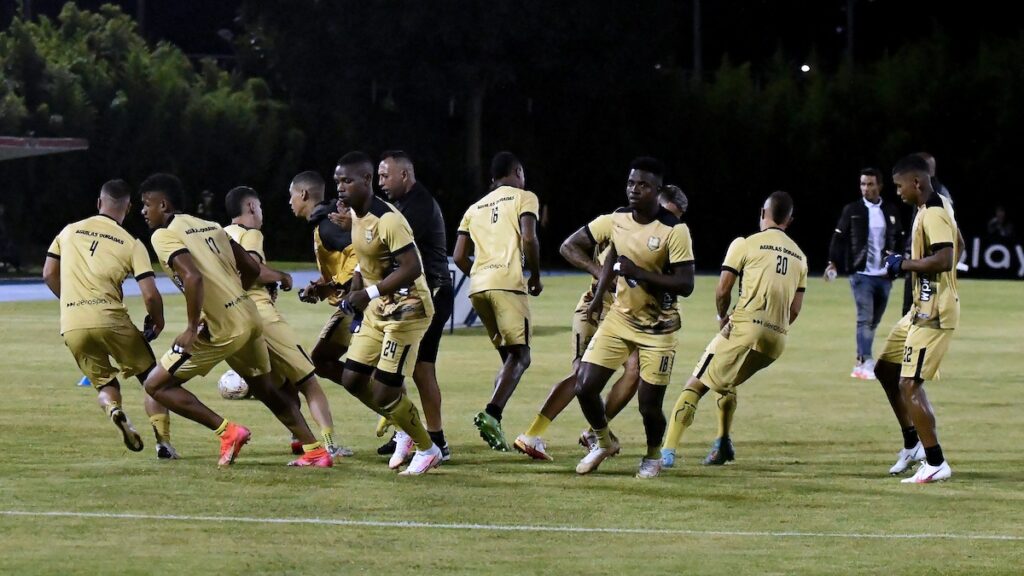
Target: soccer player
x: 223, y: 322
x: 499, y: 229
x: 395, y: 303
x: 85, y: 267
x: 773, y: 276
x: 397, y: 177
x: 651, y: 255
x: 289, y: 363
x: 918, y: 342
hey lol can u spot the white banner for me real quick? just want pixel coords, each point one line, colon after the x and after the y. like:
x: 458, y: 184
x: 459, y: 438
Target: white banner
x: 463, y: 314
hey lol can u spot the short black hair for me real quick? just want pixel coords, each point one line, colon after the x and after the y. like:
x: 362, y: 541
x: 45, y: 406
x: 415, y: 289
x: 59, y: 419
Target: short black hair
x: 168, y: 185
x: 310, y: 180
x: 911, y: 163
x: 397, y: 155
x: 356, y: 158
x: 675, y: 195
x: 236, y: 196
x: 648, y: 164
x: 869, y: 171
x: 116, y: 189
x: 782, y: 206
x: 504, y: 164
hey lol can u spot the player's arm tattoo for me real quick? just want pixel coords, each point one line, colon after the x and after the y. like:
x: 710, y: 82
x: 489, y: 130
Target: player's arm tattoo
x: 578, y: 250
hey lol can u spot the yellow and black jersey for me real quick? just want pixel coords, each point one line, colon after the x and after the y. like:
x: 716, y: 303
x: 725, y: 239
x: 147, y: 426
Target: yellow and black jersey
x: 251, y: 240
x: 332, y: 247
x: 227, y: 308
x: 936, y: 301
x: 771, y: 270
x: 656, y: 247
x: 378, y: 237
x: 96, y: 256
x: 492, y: 223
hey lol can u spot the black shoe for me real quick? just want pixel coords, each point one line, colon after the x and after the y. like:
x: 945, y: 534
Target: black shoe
x: 388, y: 447
x: 446, y: 453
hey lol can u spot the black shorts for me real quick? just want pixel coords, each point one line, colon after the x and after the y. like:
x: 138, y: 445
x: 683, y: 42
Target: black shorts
x: 444, y: 303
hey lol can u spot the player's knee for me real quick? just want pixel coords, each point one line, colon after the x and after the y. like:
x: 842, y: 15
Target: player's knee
x: 650, y: 410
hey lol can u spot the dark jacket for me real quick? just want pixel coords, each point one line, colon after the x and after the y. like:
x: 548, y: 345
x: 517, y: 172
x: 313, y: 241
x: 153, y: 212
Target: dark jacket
x: 849, y: 248
x: 427, y: 223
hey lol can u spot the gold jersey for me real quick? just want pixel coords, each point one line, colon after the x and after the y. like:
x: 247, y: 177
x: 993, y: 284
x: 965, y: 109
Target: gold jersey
x: 332, y: 247
x: 96, y: 256
x: 936, y: 300
x: 656, y: 247
x: 251, y: 240
x: 378, y: 237
x: 492, y: 223
x: 771, y: 270
x: 227, y: 309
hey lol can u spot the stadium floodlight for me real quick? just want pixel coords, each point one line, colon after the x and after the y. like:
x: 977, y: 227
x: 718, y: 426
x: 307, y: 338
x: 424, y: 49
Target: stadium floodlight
x: 805, y: 68
x: 12, y: 147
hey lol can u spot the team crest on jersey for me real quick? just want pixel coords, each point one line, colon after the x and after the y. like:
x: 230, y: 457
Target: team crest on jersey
x: 653, y: 243
x: 368, y: 235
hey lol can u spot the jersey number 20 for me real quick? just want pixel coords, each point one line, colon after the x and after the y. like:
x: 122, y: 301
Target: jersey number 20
x: 781, y: 264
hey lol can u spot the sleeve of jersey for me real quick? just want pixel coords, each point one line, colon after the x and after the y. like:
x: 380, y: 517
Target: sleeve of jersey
x: 680, y: 249
x: 464, y: 224
x: 600, y: 230
x: 395, y: 233
x: 736, y: 256
x: 252, y: 242
x: 167, y: 245
x: 54, y: 250
x: 141, y: 266
x: 347, y: 268
x: 802, y: 285
x: 938, y: 229
x: 528, y: 204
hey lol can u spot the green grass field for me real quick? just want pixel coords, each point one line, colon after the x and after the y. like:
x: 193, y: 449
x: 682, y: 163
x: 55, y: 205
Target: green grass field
x: 808, y: 493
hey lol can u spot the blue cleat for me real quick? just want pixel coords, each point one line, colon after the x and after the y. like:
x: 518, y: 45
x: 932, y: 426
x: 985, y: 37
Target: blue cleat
x: 721, y: 452
x: 84, y: 381
x: 668, y: 457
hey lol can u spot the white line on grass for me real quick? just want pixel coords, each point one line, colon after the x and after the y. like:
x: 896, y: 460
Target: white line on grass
x: 513, y: 527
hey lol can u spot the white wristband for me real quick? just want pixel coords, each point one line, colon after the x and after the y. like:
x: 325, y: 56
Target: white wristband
x: 358, y: 269
x: 373, y: 292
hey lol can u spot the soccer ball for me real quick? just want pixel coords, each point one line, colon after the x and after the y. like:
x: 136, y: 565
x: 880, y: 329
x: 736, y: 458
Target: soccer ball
x: 232, y: 386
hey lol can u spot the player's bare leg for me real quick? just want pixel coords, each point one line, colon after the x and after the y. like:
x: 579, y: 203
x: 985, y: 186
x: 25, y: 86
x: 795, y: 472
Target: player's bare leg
x: 651, y: 399
x: 285, y: 407
x: 109, y: 397
x: 592, y: 379
x: 320, y: 409
x: 888, y: 374
x: 624, y: 388
x: 515, y: 361
x: 326, y: 357
x: 935, y: 467
x: 561, y: 395
x: 425, y: 377
x: 160, y: 420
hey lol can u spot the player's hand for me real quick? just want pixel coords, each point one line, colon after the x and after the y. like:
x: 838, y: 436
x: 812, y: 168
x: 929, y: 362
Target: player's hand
x: 594, y: 311
x: 183, y: 343
x: 310, y: 294
x: 625, y: 267
x: 336, y: 218
x: 723, y: 321
x: 150, y: 329
x: 534, y: 286
x: 358, y: 300
x: 831, y: 272
x: 286, y: 281
x: 894, y: 265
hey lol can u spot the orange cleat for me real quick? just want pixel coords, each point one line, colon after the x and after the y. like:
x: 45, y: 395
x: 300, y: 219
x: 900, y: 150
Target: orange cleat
x: 231, y: 442
x: 319, y: 458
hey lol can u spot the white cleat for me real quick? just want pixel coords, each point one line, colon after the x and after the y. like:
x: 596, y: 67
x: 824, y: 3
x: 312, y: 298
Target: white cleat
x: 906, y: 458
x: 129, y: 435
x: 164, y: 451
x: 532, y: 446
x: 337, y: 451
x: 423, y: 461
x: 593, y: 459
x: 649, y: 468
x: 867, y: 370
x: 927, y: 474
x: 403, y: 448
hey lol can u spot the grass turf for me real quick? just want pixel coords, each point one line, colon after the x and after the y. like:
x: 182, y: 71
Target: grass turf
x: 813, y: 448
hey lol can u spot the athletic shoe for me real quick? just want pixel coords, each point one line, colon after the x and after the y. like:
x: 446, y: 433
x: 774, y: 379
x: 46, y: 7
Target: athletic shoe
x: 296, y: 446
x: 490, y: 431
x: 423, y: 461
x: 721, y: 452
x: 339, y: 451
x: 387, y: 447
x: 858, y: 371
x: 382, y: 426
x: 867, y: 370
x: 588, y: 439
x: 403, y: 447
x: 131, y: 438
x: 319, y: 458
x: 668, y: 457
x: 649, y: 468
x: 906, y: 458
x: 593, y: 459
x: 926, y: 474
x: 446, y: 453
x: 165, y: 451
x: 231, y: 442
x: 532, y: 446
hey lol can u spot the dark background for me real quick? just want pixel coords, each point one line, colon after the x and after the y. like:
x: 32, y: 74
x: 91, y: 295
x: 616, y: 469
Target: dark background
x: 576, y: 89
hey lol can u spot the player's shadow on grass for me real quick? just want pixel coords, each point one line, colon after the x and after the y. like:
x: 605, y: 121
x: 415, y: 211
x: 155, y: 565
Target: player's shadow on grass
x: 480, y: 332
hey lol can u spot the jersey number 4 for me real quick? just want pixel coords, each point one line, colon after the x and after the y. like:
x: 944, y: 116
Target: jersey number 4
x: 781, y: 265
x: 93, y: 247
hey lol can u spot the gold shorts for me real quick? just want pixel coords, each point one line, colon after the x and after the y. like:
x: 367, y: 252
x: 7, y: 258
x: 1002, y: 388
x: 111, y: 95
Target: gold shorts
x: 246, y: 354
x: 583, y: 331
x: 505, y: 314
x: 918, y: 349
x: 726, y: 364
x: 337, y: 330
x: 389, y: 346
x: 615, y: 340
x: 288, y: 361
x: 93, y: 348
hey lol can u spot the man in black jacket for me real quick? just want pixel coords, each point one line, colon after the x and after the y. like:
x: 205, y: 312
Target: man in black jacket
x: 868, y: 229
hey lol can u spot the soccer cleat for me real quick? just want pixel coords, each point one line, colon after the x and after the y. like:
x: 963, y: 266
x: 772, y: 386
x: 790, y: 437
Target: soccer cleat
x: 231, y: 442
x: 339, y: 451
x: 382, y: 426
x: 131, y: 438
x: 926, y: 474
x: 906, y: 458
x: 387, y: 447
x: 296, y: 446
x: 319, y: 458
x: 588, y: 439
x: 446, y: 453
x: 593, y: 459
x: 423, y: 461
x: 532, y: 446
x: 403, y: 447
x: 491, y: 432
x: 721, y: 452
x: 649, y: 468
x: 164, y: 451
x: 668, y: 457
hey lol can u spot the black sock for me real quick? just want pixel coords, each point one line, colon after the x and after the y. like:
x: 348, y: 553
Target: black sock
x: 934, y: 455
x: 494, y: 410
x: 910, y: 438
x: 437, y: 437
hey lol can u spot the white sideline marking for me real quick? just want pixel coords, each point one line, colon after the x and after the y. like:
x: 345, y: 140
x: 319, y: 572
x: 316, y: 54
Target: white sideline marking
x: 513, y: 527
